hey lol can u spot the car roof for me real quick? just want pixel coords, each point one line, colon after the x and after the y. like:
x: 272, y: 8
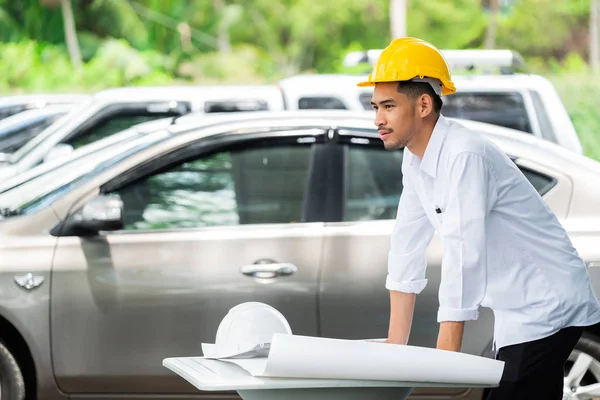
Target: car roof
x: 189, y: 92
x: 358, y: 119
x: 41, y: 100
x: 195, y: 121
x: 514, y: 142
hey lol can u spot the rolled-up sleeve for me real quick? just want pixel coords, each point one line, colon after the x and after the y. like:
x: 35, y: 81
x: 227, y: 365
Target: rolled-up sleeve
x: 471, y: 192
x: 411, y: 235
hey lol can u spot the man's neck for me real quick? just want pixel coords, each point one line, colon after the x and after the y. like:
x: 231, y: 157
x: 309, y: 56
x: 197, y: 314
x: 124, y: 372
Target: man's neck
x: 421, y: 139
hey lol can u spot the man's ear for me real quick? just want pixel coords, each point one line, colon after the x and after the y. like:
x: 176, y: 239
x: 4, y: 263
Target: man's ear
x: 425, y: 105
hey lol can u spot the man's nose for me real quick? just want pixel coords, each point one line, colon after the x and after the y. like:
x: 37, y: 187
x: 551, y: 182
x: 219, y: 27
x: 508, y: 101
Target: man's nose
x: 379, y: 118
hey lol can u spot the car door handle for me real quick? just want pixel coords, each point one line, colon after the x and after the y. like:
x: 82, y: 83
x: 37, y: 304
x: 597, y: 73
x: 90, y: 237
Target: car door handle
x: 262, y: 270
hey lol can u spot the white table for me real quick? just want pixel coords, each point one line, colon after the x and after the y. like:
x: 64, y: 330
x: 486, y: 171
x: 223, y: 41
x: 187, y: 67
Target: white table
x: 216, y: 375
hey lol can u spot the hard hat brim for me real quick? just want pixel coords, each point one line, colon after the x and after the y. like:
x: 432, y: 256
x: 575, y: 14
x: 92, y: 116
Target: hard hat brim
x: 365, y: 84
x: 446, y: 89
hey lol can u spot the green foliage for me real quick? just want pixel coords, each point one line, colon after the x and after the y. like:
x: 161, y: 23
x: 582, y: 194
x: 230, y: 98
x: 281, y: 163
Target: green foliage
x: 297, y: 35
x: 243, y: 65
x: 448, y: 24
x: 545, y: 27
x: 115, y: 64
x: 580, y: 92
x: 29, y: 19
x: 116, y: 18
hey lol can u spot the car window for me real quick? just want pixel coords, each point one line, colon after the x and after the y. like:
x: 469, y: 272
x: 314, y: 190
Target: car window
x: 112, y: 125
x: 320, y: 103
x: 252, y: 185
x: 504, y: 109
x: 542, y: 183
x: 374, y: 183
x: 235, y: 106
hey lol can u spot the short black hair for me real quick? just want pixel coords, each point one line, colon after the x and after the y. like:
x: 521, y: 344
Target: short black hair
x: 413, y: 90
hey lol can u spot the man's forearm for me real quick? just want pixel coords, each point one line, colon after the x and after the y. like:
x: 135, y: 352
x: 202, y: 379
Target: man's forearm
x: 402, y: 308
x: 450, y: 336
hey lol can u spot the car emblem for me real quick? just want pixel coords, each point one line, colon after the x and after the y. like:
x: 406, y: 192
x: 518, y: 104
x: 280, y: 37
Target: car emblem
x: 29, y: 281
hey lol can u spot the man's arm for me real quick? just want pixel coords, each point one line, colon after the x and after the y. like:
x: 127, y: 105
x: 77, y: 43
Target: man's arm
x: 406, y: 264
x: 450, y: 336
x: 472, y: 190
x: 402, y: 306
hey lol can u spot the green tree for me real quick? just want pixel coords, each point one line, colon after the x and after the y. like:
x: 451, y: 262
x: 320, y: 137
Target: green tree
x: 69, y: 28
x: 448, y: 24
x: 545, y: 28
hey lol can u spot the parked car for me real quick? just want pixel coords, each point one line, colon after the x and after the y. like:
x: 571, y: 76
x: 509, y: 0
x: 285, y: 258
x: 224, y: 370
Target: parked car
x: 11, y: 105
x: 526, y: 102
x: 107, y: 272
x: 18, y: 129
x: 113, y: 110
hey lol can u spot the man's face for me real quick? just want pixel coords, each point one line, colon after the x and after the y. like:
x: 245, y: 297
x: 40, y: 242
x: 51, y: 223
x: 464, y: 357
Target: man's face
x: 394, y: 115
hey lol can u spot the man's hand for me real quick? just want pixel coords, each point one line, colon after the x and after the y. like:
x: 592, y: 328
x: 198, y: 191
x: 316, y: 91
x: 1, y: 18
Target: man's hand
x: 451, y: 336
x: 402, y: 307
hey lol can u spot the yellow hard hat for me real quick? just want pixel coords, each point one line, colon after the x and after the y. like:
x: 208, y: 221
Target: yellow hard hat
x: 408, y: 58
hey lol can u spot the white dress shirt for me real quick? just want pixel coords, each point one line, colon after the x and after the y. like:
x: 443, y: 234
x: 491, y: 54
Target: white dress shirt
x: 503, y: 246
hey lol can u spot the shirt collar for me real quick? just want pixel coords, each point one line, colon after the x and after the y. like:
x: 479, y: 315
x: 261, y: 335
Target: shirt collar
x: 429, y: 163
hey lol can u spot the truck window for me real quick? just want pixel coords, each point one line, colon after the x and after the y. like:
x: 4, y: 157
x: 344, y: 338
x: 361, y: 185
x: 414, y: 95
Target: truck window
x: 320, y: 103
x: 235, y: 106
x: 365, y: 100
x: 504, y: 109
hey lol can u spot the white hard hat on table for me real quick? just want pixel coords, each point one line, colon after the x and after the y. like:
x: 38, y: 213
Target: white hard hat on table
x: 245, y: 328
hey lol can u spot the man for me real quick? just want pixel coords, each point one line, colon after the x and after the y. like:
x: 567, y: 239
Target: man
x: 503, y: 247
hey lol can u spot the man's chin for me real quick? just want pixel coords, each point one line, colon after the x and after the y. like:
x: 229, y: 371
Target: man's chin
x: 392, y: 146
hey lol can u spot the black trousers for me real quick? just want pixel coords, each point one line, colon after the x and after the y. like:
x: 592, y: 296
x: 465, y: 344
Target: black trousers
x: 534, y: 370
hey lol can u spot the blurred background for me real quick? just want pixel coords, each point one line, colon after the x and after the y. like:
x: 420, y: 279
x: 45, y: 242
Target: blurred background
x: 89, y: 45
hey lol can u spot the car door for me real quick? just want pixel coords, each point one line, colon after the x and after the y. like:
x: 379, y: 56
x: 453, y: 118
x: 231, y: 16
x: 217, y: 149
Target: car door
x: 203, y: 233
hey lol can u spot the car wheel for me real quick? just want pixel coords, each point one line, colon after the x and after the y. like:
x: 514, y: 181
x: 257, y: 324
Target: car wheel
x: 12, y: 384
x: 582, y: 370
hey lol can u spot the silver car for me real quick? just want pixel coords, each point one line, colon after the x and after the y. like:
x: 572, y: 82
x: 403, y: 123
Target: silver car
x: 104, y: 274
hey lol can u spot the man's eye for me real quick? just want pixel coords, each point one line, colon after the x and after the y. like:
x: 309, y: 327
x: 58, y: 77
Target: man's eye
x: 388, y: 106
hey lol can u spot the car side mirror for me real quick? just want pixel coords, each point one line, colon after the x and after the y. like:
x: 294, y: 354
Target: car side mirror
x: 61, y: 150
x: 104, y: 213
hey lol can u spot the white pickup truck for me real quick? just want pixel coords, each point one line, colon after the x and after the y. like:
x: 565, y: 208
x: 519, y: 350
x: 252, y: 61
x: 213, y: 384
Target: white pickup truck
x: 525, y: 102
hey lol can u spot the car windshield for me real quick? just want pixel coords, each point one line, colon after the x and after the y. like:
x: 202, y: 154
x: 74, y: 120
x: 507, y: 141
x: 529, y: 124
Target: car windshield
x: 29, y: 196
